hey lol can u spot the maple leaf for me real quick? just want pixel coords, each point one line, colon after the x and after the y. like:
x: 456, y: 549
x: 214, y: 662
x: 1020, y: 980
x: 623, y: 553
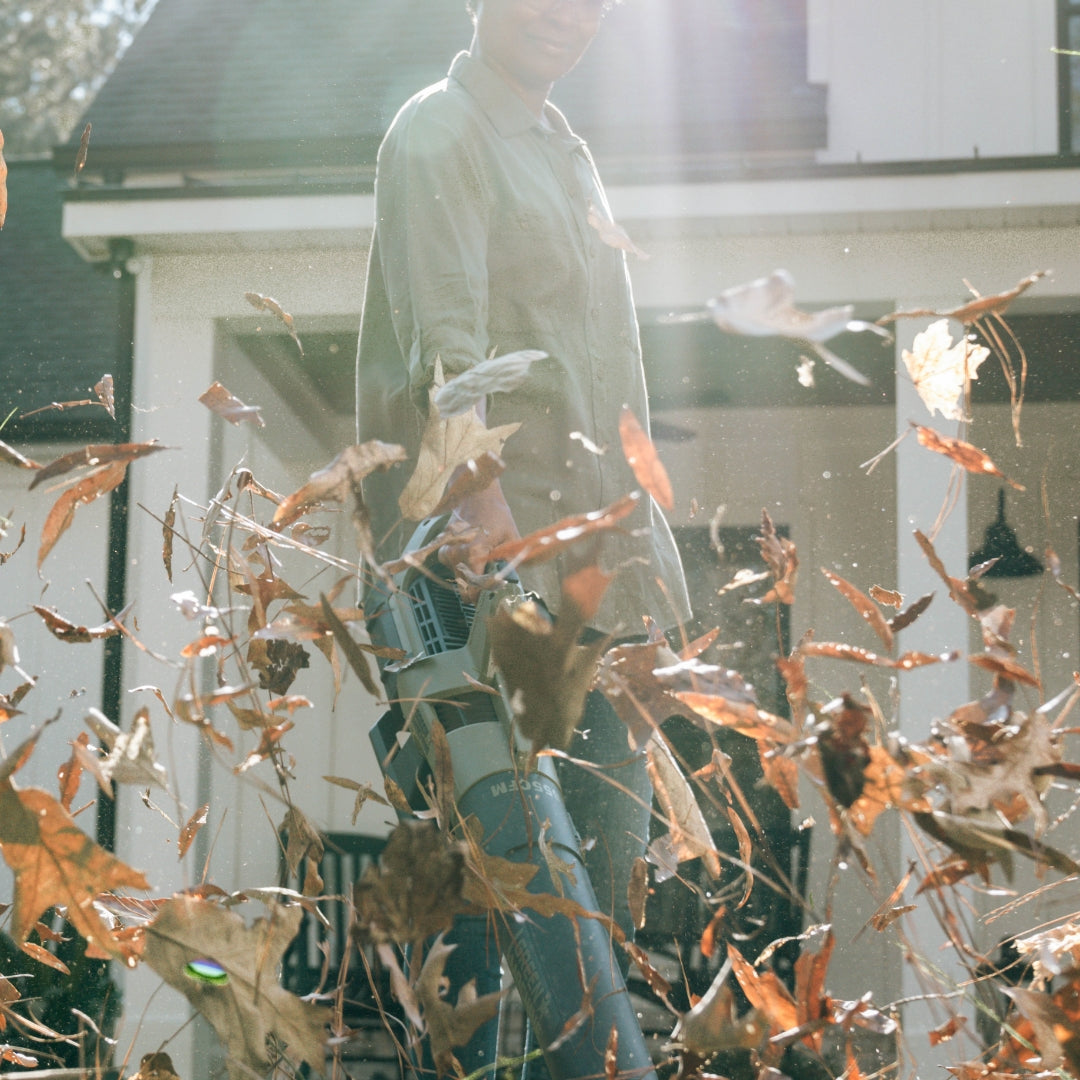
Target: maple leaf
x: 940, y: 370
x: 496, y: 375
x: 244, y: 1004
x: 445, y: 445
x: 229, y: 407
x: 449, y: 1025
x: 548, y: 674
x: 56, y: 864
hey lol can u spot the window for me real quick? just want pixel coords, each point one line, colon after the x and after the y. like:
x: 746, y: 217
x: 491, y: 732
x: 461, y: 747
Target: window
x: 1069, y: 76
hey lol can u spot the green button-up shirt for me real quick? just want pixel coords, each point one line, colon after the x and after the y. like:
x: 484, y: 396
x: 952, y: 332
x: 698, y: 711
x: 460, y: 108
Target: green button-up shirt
x: 482, y: 245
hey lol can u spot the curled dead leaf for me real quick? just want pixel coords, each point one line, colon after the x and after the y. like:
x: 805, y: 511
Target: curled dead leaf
x: 643, y: 459
x: 968, y: 457
x: 497, y: 375
x: 229, y: 407
x: 268, y: 303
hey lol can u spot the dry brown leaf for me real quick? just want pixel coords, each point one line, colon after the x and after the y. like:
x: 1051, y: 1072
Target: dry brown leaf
x: 130, y: 758
x: 445, y: 446
x: 547, y: 672
x: 191, y: 829
x: 547, y: 543
x: 688, y: 835
x: 268, y: 303
x: 906, y: 617
x: 3, y: 183
x: 836, y: 650
x: 641, y: 456
x: 782, y: 559
x: 637, y: 892
x: 339, y: 480
x: 84, y: 146
x: 494, y: 376
x: 450, y: 1024
x: 56, y: 864
x: 60, y: 517
x: 968, y: 457
x: 69, y: 775
x: 269, y: 737
x: 766, y: 993
x: 976, y: 309
x: 363, y: 791
x: 95, y: 456
x: 474, y: 476
x: 106, y: 394
x: 1003, y: 666
x: 10, y: 456
x: 863, y: 605
x: 613, y: 234
x: 222, y: 403
x: 353, y: 650
x: 888, y: 597
x: 417, y: 889
x: 69, y: 632
x: 168, y: 529
x: 245, y: 1005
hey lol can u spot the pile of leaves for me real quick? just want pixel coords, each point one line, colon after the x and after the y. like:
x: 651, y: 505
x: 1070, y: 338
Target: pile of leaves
x: 973, y: 789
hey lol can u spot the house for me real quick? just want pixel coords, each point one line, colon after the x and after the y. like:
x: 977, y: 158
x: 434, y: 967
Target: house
x: 882, y: 154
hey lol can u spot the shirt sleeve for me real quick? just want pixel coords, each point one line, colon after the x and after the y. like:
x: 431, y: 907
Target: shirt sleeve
x: 432, y: 208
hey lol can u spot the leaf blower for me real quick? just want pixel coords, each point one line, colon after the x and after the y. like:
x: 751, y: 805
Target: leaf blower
x: 448, y: 676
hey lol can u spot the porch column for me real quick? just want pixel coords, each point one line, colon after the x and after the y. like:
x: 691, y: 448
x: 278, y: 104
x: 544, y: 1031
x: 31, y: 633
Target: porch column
x: 922, y: 480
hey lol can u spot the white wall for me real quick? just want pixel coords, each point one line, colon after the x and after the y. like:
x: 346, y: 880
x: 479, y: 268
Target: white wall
x: 926, y: 79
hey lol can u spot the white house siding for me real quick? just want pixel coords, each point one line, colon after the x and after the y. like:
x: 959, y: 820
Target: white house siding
x: 69, y: 677
x: 913, y: 80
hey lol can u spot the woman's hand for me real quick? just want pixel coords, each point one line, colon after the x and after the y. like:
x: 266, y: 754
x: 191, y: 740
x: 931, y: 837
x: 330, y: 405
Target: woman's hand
x: 484, y: 521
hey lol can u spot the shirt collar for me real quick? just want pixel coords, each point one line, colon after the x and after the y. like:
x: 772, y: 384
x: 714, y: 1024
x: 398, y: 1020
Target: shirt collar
x: 500, y: 102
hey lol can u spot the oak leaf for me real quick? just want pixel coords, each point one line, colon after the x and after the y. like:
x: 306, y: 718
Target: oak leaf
x: 446, y: 445
x: 450, y: 1024
x: 247, y: 1006
x: 415, y: 891
x: 496, y: 375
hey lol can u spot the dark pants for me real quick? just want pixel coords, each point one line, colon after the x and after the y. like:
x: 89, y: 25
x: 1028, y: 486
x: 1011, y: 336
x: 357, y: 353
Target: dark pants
x: 612, y: 819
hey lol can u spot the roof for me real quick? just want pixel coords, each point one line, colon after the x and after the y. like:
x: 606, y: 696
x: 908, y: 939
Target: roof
x: 273, y: 84
x: 59, y: 317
